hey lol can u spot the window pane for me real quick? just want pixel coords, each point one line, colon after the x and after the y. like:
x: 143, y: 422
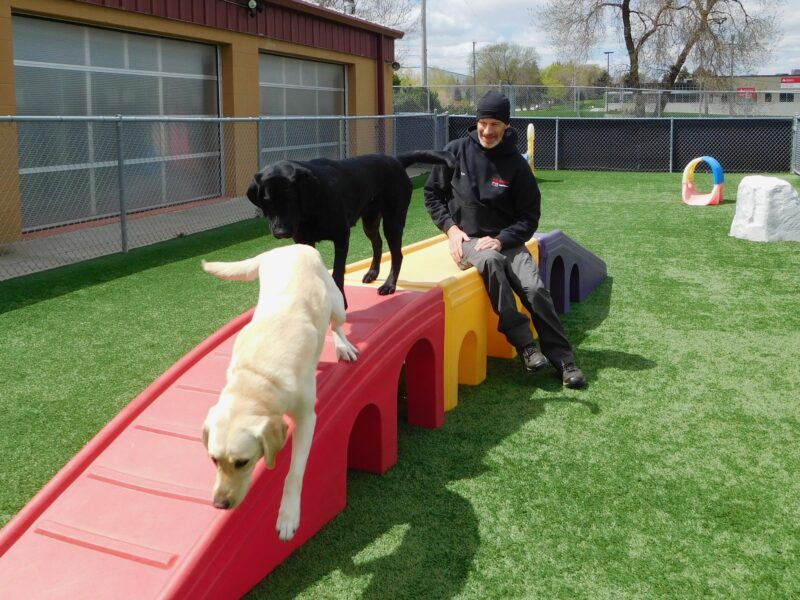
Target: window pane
x: 142, y: 52
x: 189, y: 96
x: 331, y: 103
x: 301, y: 102
x: 308, y: 73
x: 48, y: 41
x: 270, y: 69
x: 192, y: 178
x: 186, y: 57
x: 47, y: 144
x: 106, y: 48
x: 44, y: 91
x: 330, y: 76
x: 272, y: 101
x: 57, y: 197
x: 117, y: 93
x: 292, y: 70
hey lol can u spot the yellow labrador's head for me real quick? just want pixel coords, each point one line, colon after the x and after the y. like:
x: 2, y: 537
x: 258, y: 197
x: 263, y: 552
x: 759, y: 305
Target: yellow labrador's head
x: 235, y: 443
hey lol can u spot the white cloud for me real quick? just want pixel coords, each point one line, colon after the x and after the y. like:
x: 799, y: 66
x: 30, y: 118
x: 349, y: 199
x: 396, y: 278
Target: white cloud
x: 452, y: 26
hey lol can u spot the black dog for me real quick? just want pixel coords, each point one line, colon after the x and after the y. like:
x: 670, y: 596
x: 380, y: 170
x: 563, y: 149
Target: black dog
x: 322, y: 199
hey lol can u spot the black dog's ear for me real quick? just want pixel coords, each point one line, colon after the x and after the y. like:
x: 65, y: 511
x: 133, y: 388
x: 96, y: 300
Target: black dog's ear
x: 308, y: 186
x: 253, y: 189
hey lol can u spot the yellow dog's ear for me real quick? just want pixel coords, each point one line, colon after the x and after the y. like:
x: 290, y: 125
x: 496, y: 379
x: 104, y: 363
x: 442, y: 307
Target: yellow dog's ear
x: 273, y: 437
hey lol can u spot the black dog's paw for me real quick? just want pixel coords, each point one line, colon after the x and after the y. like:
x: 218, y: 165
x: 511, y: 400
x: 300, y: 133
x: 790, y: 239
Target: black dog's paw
x: 371, y: 276
x: 386, y: 289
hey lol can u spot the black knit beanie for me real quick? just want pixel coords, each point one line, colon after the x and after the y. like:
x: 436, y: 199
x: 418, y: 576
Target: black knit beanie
x: 494, y: 105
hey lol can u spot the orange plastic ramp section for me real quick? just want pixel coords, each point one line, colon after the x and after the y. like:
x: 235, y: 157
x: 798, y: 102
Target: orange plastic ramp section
x: 130, y: 516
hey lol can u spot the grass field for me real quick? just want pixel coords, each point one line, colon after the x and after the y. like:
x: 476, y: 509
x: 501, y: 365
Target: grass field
x: 674, y: 474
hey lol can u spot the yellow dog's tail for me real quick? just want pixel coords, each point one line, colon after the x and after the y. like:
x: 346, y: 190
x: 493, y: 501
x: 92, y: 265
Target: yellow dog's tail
x: 243, y: 270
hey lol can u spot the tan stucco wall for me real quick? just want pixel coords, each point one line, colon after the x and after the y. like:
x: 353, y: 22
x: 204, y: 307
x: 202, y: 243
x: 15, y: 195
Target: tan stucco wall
x: 10, y: 215
x: 239, y: 82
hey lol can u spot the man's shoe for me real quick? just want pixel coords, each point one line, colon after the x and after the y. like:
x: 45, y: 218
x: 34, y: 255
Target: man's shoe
x: 572, y: 376
x: 532, y: 359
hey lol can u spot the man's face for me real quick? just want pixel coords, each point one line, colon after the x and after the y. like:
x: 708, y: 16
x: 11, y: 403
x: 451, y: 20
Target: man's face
x: 490, y: 132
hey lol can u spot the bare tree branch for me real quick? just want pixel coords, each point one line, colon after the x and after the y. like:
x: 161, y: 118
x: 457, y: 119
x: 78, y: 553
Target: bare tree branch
x: 664, y: 37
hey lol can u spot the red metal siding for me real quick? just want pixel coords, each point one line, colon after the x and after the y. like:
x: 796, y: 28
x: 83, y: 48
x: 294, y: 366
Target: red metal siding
x: 275, y: 21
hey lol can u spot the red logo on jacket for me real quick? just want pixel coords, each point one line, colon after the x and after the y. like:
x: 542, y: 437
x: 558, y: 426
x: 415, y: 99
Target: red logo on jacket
x: 497, y: 182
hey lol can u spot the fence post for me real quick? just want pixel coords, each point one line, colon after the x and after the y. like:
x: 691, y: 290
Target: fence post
x: 795, y: 144
x: 223, y: 182
x: 393, y: 119
x: 342, y: 144
x: 435, y: 132
x: 671, y: 144
x: 556, y: 156
x: 123, y: 210
x: 259, y: 144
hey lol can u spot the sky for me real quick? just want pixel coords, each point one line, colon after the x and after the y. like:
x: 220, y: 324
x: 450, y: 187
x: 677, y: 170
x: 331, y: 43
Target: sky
x: 452, y: 26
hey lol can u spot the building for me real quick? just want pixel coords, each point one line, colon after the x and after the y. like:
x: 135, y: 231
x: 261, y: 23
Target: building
x: 180, y: 58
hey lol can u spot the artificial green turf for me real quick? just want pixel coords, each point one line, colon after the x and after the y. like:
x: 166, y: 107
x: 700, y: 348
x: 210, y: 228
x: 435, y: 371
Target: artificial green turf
x: 673, y: 475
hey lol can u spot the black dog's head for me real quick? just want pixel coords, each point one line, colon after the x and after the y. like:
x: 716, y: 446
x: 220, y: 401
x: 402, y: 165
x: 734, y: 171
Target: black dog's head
x: 285, y: 192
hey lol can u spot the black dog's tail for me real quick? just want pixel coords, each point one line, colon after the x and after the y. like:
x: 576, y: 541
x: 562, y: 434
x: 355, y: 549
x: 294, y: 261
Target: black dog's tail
x: 430, y: 157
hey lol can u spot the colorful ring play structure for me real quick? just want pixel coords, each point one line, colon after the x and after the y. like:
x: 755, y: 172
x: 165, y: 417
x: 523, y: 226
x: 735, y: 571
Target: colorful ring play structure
x: 690, y: 195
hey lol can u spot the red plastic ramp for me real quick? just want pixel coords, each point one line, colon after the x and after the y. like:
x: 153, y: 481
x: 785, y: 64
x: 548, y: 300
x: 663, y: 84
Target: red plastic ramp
x: 130, y: 516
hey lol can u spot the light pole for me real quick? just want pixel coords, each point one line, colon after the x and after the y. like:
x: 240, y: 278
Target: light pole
x: 608, y: 54
x: 731, y: 97
x: 424, y: 52
x: 474, y: 81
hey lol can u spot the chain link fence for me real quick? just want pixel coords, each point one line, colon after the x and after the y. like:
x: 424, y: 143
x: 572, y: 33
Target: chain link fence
x: 601, y: 102
x: 75, y: 188
x: 741, y: 145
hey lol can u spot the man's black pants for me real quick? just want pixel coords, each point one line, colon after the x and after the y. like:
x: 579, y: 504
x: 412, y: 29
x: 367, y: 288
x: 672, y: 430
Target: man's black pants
x: 512, y: 271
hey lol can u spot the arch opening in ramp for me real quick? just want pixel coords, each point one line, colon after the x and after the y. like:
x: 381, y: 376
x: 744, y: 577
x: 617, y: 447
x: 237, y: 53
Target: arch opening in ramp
x: 365, y: 449
x: 557, y: 285
x: 468, y: 356
x: 575, y: 284
x: 420, y: 384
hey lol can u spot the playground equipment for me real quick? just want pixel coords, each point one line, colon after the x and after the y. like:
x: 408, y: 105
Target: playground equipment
x: 690, y: 195
x: 559, y: 256
x: 570, y: 272
x: 531, y: 136
x: 130, y: 516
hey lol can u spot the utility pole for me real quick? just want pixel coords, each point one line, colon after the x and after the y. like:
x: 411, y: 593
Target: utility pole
x: 608, y: 54
x: 474, y: 81
x: 424, y: 47
x: 731, y: 97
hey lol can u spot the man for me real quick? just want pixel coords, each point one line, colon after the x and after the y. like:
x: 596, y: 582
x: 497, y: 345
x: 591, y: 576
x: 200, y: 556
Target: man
x: 489, y: 207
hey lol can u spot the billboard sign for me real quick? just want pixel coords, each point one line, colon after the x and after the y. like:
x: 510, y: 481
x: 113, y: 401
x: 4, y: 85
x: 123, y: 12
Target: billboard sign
x: 790, y: 83
x: 747, y: 92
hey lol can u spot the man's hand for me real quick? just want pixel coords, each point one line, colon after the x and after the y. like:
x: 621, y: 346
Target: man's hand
x: 457, y: 238
x: 488, y: 243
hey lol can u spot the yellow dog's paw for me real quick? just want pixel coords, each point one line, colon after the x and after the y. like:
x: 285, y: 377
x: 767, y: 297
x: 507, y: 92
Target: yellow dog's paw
x: 288, y: 521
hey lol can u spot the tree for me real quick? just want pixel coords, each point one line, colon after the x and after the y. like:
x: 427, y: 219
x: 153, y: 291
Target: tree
x: 510, y: 64
x: 662, y: 37
x: 397, y: 14
x: 561, y: 76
